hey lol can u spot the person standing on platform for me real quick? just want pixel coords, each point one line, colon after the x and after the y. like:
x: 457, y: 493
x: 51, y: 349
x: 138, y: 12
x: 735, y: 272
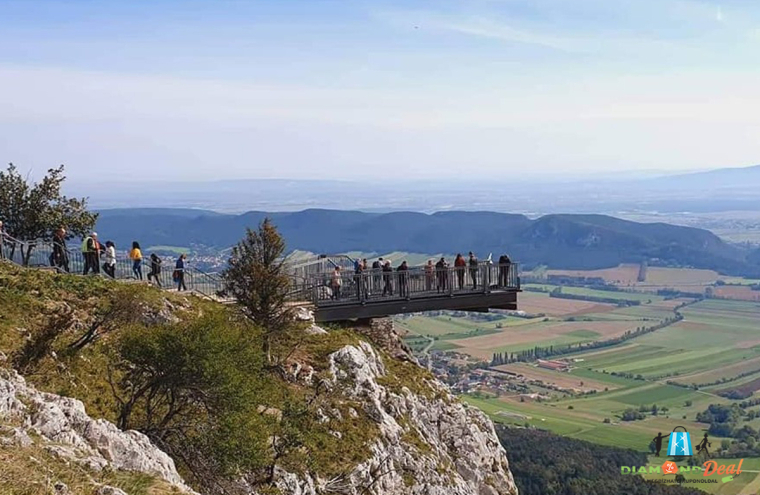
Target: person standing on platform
x: 442, y: 273
x: 377, y: 277
x: 473, y: 262
x: 429, y: 275
x: 504, y: 266
x: 403, y: 279
x: 335, y: 283
x: 459, y: 267
x: 387, y: 278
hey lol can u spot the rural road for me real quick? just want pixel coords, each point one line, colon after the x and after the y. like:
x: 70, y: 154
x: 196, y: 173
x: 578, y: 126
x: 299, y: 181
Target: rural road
x: 426, y: 352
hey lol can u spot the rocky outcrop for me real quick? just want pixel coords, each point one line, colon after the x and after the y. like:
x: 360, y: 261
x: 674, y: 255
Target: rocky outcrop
x: 64, y: 429
x: 429, y: 443
x: 382, y: 333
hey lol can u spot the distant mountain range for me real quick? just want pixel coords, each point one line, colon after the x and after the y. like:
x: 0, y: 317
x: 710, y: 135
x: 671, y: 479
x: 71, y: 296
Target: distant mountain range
x: 560, y: 241
x: 728, y: 189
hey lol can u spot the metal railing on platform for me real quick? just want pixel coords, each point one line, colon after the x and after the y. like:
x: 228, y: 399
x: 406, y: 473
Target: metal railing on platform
x: 48, y: 254
x: 415, y: 282
x: 313, y: 281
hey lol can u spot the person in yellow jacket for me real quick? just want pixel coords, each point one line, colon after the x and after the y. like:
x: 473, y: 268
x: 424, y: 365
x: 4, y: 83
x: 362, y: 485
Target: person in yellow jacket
x: 136, y: 256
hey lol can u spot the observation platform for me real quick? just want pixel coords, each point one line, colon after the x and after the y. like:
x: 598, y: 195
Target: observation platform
x: 378, y: 293
x: 346, y: 295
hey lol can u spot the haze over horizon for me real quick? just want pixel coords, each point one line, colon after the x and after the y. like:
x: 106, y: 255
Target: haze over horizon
x: 384, y: 90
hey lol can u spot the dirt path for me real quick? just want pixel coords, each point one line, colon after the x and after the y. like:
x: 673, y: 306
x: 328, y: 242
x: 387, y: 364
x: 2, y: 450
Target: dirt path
x: 426, y: 352
x: 753, y: 487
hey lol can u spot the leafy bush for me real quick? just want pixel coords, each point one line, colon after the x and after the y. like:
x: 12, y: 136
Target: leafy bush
x: 195, y: 389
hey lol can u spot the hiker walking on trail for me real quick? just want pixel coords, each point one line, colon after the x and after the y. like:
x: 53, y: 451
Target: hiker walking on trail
x: 60, y: 256
x: 91, y: 254
x: 442, y: 273
x: 459, y: 266
x: 335, y: 283
x: 136, y: 256
x: 179, y: 273
x: 155, y: 269
x: 110, y: 265
x: 473, y: 262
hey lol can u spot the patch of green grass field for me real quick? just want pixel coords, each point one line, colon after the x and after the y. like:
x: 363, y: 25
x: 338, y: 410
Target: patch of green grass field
x: 585, y: 334
x: 455, y: 326
x: 661, y: 395
x: 169, y: 249
x: 443, y: 345
x: 609, y: 294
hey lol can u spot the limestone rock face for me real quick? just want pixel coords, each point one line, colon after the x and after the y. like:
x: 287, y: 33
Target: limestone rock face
x: 454, y: 450
x: 67, y: 431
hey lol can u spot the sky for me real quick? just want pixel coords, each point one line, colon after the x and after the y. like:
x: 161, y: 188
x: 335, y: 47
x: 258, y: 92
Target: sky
x: 377, y: 90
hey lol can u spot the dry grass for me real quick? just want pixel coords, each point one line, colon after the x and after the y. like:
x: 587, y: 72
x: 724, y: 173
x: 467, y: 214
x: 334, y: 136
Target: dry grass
x: 620, y: 275
x: 33, y: 471
x: 741, y: 293
x: 657, y: 277
x: 540, y: 334
x: 533, y: 302
x: 680, y: 276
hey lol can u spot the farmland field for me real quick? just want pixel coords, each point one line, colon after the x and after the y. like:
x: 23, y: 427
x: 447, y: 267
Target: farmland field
x: 561, y: 379
x: 724, y: 372
x: 549, y: 333
x: 454, y: 326
x: 582, y: 291
x: 714, y: 340
x: 740, y: 292
x: 536, y: 302
x: 627, y: 275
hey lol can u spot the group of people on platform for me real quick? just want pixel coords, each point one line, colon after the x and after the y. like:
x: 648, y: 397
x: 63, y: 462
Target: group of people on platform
x: 379, y: 278
x: 97, y: 256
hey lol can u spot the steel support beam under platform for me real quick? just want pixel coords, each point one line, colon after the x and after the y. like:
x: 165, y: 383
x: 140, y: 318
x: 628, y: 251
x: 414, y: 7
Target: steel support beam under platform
x: 376, y: 309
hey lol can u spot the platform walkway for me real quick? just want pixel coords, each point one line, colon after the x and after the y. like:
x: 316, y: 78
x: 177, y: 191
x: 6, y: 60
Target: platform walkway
x: 333, y: 297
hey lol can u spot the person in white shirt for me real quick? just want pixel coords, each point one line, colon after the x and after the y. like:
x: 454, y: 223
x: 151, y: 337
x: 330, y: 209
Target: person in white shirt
x: 110, y: 265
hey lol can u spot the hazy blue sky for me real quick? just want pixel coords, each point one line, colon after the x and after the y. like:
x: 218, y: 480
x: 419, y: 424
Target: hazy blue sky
x: 389, y: 89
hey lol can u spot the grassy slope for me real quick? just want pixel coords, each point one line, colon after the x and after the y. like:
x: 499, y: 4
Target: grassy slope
x: 34, y: 471
x: 29, y: 298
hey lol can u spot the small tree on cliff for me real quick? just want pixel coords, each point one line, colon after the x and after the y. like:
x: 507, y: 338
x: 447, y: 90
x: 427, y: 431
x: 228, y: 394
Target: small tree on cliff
x: 35, y: 210
x: 257, y: 278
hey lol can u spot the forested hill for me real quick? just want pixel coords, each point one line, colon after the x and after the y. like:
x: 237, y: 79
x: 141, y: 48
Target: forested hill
x: 547, y: 464
x: 560, y: 241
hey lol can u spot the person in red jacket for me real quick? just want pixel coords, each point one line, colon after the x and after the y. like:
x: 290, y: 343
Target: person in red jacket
x: 459, y: 265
